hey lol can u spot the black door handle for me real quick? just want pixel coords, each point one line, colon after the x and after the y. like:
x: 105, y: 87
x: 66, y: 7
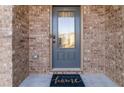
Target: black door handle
x: 53, y: 37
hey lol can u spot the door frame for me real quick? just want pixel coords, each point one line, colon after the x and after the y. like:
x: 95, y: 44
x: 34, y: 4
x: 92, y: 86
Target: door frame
x: 81, y: 41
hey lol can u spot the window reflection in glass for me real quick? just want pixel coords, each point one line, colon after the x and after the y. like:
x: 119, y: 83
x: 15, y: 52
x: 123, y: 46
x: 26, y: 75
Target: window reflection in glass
x: 66, y: 30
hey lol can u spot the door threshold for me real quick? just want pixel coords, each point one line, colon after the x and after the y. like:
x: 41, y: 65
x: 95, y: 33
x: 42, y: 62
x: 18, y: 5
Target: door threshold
x: 66, y: 69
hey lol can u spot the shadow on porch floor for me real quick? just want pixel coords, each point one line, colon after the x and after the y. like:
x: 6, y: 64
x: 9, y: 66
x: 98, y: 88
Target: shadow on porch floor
x: 90, y: 80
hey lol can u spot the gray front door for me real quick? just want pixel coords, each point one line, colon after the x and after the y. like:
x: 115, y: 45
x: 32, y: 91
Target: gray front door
x: 66, y: 37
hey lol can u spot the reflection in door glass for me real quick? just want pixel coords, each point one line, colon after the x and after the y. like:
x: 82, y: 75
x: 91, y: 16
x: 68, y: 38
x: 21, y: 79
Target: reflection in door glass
x: 66, y: 30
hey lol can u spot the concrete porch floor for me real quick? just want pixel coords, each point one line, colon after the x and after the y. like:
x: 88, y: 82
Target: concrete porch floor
x: 90, y: 80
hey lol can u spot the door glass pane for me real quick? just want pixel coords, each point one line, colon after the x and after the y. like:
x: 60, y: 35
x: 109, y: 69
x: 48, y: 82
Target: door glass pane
x: 66, y: 30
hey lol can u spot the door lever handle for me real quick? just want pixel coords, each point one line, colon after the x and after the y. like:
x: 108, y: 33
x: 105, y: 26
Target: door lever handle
x: 52, y: 36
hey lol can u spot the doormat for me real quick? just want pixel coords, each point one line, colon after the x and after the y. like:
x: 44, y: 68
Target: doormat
x: 66, y: 80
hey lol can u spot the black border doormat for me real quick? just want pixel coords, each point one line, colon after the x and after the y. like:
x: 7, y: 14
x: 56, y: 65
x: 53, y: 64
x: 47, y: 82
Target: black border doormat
x: 66, y: 80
